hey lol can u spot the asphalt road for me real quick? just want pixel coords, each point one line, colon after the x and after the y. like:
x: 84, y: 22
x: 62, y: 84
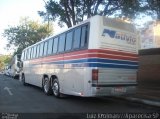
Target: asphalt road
x: 16, y: 98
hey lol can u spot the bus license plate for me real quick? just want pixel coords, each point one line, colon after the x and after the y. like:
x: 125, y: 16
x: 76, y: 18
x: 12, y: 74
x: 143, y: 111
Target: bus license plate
x: 119, y: 89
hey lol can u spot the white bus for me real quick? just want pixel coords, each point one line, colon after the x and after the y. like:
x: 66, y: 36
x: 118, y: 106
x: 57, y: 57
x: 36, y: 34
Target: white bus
x: 95, y: 58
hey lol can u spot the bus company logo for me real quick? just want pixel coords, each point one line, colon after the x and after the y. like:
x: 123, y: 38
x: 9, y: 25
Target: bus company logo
x: 119, y: 35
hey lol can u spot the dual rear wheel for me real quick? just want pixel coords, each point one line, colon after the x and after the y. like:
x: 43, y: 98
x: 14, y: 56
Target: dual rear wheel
x: 51, y: 87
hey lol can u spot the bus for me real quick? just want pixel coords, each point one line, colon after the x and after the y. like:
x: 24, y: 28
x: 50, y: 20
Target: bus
x: 98, y: 57
x: 15, y: 66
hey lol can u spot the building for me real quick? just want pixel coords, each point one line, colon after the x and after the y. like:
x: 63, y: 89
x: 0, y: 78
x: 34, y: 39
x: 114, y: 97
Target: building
x: 150, y: 35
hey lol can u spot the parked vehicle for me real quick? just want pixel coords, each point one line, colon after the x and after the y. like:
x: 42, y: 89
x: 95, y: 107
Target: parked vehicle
x: 7, y: 70
x: 14, y: 66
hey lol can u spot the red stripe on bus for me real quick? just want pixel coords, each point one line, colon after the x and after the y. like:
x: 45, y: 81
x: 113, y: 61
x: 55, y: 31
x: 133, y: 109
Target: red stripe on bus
x: 113, y: 52
x: 89, y: 54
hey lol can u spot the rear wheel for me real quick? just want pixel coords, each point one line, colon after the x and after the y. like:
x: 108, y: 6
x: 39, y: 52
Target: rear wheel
x: 56, y: 88
x: 47, y: 86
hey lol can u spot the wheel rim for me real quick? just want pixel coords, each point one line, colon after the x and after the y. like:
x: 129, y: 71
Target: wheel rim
x: 46, y: 85
x: 55, y: 88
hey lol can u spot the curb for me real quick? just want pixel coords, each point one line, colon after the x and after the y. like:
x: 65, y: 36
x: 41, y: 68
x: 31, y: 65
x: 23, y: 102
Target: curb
x: 144, y: 101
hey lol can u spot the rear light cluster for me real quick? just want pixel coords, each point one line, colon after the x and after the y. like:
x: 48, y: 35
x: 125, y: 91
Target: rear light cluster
x: 95, y: 75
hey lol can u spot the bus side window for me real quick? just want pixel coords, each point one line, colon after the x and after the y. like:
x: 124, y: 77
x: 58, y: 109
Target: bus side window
x: 69, y: 39
x: 55, y: 45
x: 50, y: 46
x: 25, y: 57
x: 77, y: 37
x: 45, y: 48
x: 84, y: 36
x: 37, y: 54
x: 22, y: 58
x: 34, y: 53
x: 41, y: 49
x: 61, y: 43
x: 29, y: 53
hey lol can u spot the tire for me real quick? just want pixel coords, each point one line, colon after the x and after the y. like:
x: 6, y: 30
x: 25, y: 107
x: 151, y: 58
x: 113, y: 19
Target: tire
x: 47, y: 86
x: 23, y: 80
x: 56, y: 88
x: 15, y: 76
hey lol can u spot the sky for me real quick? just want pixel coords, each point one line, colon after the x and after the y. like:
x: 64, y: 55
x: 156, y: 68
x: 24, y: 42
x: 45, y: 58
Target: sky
x: 12, y: 10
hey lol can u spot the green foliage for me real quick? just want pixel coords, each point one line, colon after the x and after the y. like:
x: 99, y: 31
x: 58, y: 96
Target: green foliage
x: 26, y: 33
x: 4, y: 59
x: 130, y: 8
x: 72, y: 12
x: 1, y: 65
x: 151, y: 7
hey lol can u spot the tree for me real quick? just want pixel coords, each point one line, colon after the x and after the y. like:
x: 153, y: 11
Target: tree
x: 151, y: 7
x: 26, y: 33
x: 4, y: 59
x: 1, y: 65
x: 72, y: 12
x: 130, y: 9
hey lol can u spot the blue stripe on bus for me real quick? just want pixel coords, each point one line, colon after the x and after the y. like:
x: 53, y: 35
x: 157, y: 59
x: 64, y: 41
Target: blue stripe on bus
x: 95, y: 60
x: 92, y: 65
x: 96, y: 65
x: 112, y: 66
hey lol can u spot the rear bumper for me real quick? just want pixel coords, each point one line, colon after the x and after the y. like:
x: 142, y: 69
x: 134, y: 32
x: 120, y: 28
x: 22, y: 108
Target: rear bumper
x: 113, y: 85
x: 113, y: 90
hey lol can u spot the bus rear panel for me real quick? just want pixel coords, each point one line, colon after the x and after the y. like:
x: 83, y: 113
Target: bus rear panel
x: 114, y: 60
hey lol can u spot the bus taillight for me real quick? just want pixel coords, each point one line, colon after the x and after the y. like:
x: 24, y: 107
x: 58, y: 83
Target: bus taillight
x: 95, y: 74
